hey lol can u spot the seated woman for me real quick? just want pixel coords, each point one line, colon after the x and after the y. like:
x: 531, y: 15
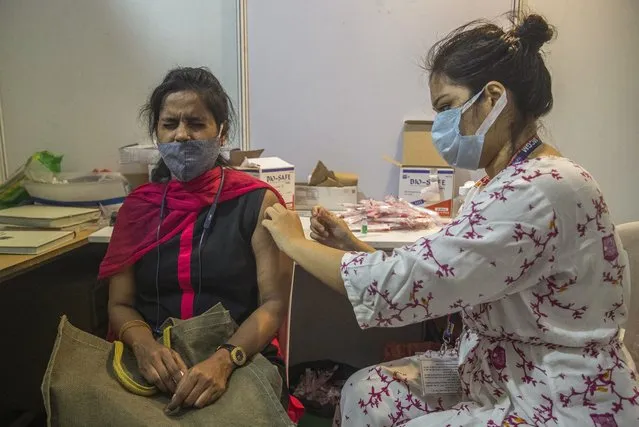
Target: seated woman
x: 192, y: 239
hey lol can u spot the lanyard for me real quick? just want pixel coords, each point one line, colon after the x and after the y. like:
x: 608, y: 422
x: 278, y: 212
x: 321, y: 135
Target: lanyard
x: 522, y: 154
x: 448, y: 332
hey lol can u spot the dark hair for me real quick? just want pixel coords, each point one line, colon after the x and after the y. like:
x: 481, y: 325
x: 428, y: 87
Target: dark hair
x: 480, y: 52
x: 201, y: 81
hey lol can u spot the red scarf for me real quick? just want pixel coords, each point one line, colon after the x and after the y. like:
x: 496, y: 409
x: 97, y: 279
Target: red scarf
x: 135, y: 232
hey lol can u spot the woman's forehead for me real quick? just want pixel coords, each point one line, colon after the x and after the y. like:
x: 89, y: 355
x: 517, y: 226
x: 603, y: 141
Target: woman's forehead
x: 184, y: 102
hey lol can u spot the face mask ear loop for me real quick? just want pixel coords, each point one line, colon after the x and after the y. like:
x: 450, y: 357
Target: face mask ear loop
x: 471, y: 101
x: 492, y: 116
x: 469, y: 104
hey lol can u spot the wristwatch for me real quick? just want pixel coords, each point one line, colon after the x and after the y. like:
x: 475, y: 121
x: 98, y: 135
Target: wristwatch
x: 238, y: 357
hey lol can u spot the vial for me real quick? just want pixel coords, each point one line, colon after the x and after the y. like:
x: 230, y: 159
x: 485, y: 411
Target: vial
x: 364, y: 227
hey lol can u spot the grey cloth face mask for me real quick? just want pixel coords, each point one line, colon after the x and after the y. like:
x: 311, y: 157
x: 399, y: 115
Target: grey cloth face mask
x: 189, y: 159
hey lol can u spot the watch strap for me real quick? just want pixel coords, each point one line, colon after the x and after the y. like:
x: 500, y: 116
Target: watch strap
x: 238, y: 356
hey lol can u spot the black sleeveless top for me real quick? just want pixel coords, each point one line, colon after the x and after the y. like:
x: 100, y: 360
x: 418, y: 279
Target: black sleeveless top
x: 228, y: 270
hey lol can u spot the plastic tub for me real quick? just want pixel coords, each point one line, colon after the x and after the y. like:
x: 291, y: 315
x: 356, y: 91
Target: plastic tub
x: 100, y: 189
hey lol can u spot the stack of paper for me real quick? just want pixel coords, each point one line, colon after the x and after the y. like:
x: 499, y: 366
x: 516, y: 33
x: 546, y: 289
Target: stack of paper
x: 32, y: 242
x: 34, y: 229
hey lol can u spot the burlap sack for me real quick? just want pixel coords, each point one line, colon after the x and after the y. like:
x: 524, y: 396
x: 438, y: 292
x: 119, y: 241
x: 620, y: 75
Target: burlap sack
x: 80, y: 387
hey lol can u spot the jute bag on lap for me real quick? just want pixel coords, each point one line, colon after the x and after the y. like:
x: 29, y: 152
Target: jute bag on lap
x: 81, y: 388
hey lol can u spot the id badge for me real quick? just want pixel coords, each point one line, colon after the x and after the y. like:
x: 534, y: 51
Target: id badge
x: 439, y: 372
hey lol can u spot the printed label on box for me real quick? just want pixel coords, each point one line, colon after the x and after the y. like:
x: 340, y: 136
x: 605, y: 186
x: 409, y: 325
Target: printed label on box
x: 283, y: 180
x: 332, y: 198
x: 413, y: 180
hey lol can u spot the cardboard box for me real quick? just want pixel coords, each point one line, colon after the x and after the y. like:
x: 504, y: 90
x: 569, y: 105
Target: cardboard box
x: 139, y: 153
x: 324, y: 177
x: 413, y: 179
x: 419, y: 159
x: 275, y: 172
x: 332, y: 198
x: 327, y: 188
x: 136, y: 161
x: 135, y: 173
x: 237, y: 156
x: 418, y: 147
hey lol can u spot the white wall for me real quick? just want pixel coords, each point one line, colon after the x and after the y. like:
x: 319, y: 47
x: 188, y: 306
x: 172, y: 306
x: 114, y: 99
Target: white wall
x: 595, y: 67
x: 334, y: 80
x: 74, y: 73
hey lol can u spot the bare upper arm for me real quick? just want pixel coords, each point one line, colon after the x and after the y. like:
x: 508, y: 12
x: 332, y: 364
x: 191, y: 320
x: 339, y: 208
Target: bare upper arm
x: 122, y: 288
x: 274, y: 268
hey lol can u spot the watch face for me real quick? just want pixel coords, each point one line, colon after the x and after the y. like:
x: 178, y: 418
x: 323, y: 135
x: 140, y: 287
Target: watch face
x: 238, y: 356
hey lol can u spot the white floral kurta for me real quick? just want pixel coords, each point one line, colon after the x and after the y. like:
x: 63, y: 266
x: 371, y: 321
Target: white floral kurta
x: 538, y: 272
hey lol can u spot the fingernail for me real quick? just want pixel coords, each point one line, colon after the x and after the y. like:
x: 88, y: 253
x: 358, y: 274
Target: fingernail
x: 172, y: 411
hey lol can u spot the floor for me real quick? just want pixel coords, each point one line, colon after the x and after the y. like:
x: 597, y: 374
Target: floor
x: 313, y: 421
x: 16, y: 419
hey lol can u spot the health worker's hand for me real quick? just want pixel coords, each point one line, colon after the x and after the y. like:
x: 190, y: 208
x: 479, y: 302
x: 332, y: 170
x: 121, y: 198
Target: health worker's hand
x: 285, y: 227
x: 330, y: 230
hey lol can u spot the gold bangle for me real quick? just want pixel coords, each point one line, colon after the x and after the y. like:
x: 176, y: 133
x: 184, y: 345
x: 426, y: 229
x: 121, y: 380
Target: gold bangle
x: 132, y: 324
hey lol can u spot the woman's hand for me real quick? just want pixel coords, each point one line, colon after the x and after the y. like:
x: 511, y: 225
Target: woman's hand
x: 330, y: 230
x: 284, y: 225
x: 159, y: 365
x: 204, y: 383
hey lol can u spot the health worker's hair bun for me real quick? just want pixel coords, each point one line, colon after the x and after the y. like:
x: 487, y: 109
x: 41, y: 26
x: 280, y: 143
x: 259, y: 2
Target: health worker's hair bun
x: 533, y: 32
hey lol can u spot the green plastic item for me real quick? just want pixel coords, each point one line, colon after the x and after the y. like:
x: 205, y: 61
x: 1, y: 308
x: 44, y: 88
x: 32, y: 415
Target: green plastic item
x: 41, y: 166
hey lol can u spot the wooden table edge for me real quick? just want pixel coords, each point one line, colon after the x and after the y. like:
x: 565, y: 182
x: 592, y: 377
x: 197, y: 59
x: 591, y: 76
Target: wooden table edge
x: 24, y: 263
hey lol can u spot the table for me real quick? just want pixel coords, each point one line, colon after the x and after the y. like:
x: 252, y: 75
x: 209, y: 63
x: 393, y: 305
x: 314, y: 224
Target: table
x: 13, y: 265
x: 380, y: 240
x: 35, y: 291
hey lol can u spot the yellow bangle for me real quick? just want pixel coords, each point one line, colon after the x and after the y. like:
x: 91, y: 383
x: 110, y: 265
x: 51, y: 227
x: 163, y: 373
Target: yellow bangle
x: 132, y: 324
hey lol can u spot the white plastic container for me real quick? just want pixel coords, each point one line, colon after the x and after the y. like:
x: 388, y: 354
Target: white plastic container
x: 73, y: 189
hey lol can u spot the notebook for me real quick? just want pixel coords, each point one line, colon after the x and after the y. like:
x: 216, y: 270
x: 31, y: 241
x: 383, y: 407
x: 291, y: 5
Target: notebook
x: 32, y: 242
x: 75, y: 228
x: 40, y: 216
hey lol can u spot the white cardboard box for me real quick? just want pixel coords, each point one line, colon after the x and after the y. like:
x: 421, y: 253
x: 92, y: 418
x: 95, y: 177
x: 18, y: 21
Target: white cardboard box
x: 413, y: 179
x: 275, y: 172
x: 136, y: 162
x: 139, y: 153
x: 332, y: 198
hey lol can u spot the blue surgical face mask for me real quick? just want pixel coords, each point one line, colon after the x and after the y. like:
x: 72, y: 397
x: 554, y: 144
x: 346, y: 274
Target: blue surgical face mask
x: 189, y: 159
x: 463, y: 151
